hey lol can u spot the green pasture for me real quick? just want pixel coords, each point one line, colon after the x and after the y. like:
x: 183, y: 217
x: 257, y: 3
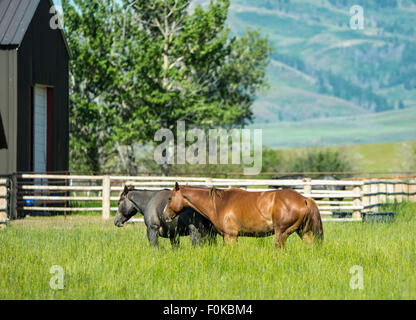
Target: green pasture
x: 378, y: 157
x: 383, y: 127
x: 101, y: 261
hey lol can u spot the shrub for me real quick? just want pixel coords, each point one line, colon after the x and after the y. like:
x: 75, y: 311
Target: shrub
x: 320, y: 160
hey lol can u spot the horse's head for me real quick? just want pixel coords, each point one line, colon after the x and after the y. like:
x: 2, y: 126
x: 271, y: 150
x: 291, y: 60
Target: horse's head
x: 126, y: 208
x: 175, y: 204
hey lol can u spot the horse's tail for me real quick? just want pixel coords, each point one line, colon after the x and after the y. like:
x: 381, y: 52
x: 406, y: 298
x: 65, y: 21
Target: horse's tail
x: 314, y: 222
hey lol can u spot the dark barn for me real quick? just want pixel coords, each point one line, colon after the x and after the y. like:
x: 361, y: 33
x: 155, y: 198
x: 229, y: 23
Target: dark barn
x: 34, y: 62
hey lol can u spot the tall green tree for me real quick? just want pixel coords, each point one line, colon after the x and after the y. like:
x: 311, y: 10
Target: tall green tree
x: 148, y: 64
x: 91, y: 28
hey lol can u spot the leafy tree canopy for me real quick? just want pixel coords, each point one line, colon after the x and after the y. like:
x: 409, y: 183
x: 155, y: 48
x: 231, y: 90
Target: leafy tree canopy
x: 140, y: 66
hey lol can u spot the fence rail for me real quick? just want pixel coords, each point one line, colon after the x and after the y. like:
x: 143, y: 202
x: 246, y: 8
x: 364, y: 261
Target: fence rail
x: 4, y: 200
x: 3, y: 194
x: 74, y: 193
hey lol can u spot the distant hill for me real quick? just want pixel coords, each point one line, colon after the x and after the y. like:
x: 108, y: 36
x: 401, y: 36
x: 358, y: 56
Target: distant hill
x: 321, y: 68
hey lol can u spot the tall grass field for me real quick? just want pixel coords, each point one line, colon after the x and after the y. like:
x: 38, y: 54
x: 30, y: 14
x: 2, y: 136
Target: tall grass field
x: 100, y: 261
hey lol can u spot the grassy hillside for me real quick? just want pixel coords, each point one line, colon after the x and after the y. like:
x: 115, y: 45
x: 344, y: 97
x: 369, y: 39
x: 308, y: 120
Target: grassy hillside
x: 390, y: 126
x: 321, y: 68
x: 379, y: 157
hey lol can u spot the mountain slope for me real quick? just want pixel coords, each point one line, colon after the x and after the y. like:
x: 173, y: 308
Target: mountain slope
x: 321, y: 68
x: 388, y: 126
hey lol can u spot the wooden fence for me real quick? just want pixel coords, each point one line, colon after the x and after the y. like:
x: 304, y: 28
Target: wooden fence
x: 47, y: 193
x: 4, y: 187
x: 378, y: 193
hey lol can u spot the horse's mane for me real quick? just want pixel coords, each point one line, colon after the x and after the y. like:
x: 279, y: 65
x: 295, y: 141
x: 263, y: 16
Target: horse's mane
x: 127, y: 189
x: 214, y: 192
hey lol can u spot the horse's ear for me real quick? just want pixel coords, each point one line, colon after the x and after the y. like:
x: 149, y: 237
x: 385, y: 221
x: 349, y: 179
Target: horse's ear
x: 126, y: 189
x: 176, y: 186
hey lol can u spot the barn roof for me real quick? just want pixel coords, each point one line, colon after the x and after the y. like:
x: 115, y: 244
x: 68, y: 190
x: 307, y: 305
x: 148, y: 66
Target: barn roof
x: 15, y: 18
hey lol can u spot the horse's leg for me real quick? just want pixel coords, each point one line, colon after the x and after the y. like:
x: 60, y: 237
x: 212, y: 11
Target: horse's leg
x: 279, y: 237
x: 175, y: 240
x: 153, y: 236
x: 308, y: 239
x: 153, y: 225
x: 212, y: 237
x: 230, y: 239
x: 282, y: 235
x: 208, y: 234
x: 231, y: 230
x: 195, y: 235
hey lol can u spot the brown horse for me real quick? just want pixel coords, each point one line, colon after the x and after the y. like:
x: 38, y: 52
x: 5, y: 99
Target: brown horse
x: 236, y: 212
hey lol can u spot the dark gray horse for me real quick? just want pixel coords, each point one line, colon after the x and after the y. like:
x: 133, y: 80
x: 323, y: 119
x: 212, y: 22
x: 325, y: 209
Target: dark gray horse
x: 151, y: 203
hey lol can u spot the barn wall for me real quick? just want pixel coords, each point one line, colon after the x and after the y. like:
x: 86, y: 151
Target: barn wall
x: 8, y: 108
x: 43, y: 59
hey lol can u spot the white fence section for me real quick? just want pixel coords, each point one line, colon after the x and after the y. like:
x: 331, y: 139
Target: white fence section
x: 45, y: 193
x: 3, y: 201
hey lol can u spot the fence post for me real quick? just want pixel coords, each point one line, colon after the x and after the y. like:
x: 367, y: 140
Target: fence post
x: 14, y: 197
x: 3, y: 194
x: 405, y: 189
x: 382, y: 189
x: 398, y: 189
x: 390, y: 192
x: 357, y: 202
x: 365, y: 198
x: 106, y: 197
x: 208, y: 182
x: 307, y: 188
x: 3, y: 202
x: 374, y: 201
x: 412, y: 190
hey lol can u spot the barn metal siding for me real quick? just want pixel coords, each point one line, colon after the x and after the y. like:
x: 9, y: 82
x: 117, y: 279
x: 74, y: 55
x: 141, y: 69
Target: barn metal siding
x: 8, y: 108
x: 43, y: 59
